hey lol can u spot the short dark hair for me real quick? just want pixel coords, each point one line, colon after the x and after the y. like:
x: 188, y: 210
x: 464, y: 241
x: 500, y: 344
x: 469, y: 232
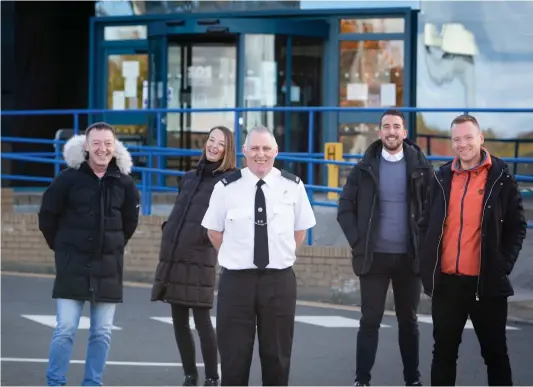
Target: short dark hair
x: 392, y: 112
x: 100, y: 126
x: 464, y: 118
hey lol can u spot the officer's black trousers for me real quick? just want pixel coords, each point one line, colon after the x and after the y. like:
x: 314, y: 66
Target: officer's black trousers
x: 246, y: 298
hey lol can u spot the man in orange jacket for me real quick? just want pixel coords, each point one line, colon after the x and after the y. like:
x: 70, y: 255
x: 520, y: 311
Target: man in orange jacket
x: 470, y: 237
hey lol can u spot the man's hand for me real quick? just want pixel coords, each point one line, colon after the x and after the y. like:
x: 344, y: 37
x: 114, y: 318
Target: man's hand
x: 216, y: 238
x: 299, y: 237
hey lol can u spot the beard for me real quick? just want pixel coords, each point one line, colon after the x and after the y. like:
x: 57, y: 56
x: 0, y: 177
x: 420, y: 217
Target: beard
x: 393, y: 145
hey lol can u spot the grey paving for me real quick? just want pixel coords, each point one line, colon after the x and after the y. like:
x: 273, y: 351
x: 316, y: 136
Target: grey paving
x: 321, y: 356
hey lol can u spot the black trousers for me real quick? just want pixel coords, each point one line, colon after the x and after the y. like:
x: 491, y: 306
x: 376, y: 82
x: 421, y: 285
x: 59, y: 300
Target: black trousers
x: 452, y: 304
x: 184, y: 339
x: 248, y: 299
x: 406, y: 286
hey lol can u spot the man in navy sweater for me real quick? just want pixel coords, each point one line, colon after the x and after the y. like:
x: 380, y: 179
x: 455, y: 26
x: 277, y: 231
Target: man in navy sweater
x: 379, y: 208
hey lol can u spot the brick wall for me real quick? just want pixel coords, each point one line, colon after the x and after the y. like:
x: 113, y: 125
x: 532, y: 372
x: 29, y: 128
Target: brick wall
x: 323, y: 273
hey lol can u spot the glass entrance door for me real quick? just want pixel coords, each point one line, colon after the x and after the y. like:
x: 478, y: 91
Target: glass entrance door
x: 225, y: 63
x: 201, y: 75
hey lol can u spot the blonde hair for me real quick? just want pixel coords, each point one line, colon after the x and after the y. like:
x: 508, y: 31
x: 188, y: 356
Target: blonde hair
x: 229, y: 161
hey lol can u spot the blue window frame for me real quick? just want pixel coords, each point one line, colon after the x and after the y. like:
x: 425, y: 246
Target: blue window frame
x: 324, y: 23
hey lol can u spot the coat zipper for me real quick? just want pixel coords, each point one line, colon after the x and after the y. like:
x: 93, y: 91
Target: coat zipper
x: 481, y: 243
x: 441, y: 233
x: 461, y: 221
x: 371, y: 211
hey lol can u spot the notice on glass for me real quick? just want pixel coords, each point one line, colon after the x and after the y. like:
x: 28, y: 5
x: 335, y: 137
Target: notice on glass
x: 130, y: 87
x: 388, y: 94
x: 295, y: 94
x: 357, y: 92
x: 119, y: 100
x: 130, y: 69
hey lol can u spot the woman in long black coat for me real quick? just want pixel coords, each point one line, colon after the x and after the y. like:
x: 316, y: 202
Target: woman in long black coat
x: 185, y: 275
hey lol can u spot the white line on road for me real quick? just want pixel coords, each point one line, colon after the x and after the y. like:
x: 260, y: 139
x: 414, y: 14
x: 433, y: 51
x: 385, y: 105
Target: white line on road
x: 168, y: 320
x: 468, y: 325
x: 50, y: 321
x: 119, y: 363
x: 331, y: 321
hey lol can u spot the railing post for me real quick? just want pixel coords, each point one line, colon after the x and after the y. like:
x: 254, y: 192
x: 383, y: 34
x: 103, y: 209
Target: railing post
x: 159, y: 145
x: 149, y: 186
x: 57, y: 156
x: 143, y: 193
x: 310, y: 141
x: 237, y: 137
x: 516, y: 155
x: 76, y: 123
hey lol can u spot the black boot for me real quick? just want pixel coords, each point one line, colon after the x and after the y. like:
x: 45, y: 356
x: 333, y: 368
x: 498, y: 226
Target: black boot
x: 190, y: 380
x: 211, y: 382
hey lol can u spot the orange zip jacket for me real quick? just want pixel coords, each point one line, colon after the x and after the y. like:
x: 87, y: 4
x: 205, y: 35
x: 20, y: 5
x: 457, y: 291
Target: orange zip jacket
x: 461, y: 241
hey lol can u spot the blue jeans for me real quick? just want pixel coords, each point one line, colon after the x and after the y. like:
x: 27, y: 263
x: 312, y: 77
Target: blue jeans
x: 68, y: 318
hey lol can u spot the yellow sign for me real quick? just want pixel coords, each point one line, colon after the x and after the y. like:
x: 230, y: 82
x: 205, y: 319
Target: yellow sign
x: 333, y: 151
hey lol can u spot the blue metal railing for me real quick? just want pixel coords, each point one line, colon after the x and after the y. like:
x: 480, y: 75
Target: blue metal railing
x: 159, y: 153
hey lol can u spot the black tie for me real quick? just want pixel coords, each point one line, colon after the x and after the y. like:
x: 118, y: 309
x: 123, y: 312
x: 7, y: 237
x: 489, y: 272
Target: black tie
x: 261, y: 234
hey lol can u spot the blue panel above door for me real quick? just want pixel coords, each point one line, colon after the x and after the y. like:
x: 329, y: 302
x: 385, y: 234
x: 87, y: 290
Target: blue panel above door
x: 317, y: 28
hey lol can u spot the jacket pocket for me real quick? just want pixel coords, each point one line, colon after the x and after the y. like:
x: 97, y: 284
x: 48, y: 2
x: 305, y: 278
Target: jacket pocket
x: 358, y: 260
x: 63, y: 260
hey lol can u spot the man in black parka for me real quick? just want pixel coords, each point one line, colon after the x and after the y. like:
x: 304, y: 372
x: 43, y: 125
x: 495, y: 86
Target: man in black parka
x: 87, y: 216
x: 379, y: 207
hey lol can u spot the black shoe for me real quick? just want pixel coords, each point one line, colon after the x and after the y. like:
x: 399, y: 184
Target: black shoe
x: 190, y: 380
x: 361, y: 384
x: 211, y: 382
x: 417, y: 383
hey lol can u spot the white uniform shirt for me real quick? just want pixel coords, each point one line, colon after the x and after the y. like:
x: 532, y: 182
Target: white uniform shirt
x: 232, y: 211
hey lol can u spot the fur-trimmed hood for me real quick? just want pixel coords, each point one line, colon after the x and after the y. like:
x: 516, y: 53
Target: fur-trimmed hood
x: 75, y: 155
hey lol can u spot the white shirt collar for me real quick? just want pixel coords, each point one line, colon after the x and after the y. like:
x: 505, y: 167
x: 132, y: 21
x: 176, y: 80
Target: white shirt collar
x: 395, y: 157
x: 268, y: 179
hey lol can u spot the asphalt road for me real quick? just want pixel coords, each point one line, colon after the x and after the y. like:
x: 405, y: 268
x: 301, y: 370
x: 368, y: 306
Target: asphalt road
x: 144, y: 353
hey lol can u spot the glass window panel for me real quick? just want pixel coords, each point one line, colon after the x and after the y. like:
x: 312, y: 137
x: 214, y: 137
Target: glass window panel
x: 355, y: 137
x: 123, y: 92
x: 369, y: 26
x: 265, y: 79
x: 371, y: 73
x: 125, y: 33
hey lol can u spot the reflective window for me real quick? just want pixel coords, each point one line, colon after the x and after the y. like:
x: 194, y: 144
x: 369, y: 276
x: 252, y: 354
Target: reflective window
x: 125, y: 77
x: 368, y: 26
x: 371, y: 73
x: 263, y: 78
x: 125, y: 32
x: 355, y: 138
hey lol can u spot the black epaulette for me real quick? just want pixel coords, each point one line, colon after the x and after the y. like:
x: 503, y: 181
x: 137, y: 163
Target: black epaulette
x: 290, y: 176
x: 232, y: 178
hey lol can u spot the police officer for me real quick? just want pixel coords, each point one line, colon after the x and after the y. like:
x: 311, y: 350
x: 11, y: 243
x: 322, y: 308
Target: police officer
x: 257, y: 217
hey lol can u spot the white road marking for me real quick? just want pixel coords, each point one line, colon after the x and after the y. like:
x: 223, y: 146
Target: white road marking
x: 429, y: 320
x: 50, y: 321
x: 168, y: 320
x: 109, y: 362
x: 331, y: 321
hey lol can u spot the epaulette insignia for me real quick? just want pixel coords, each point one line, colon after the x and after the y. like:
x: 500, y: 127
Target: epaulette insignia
x: 232, y: 178
x: 290, y: 176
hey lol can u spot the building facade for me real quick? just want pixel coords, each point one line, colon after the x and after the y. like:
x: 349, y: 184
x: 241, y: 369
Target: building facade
x: 335, y: 53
